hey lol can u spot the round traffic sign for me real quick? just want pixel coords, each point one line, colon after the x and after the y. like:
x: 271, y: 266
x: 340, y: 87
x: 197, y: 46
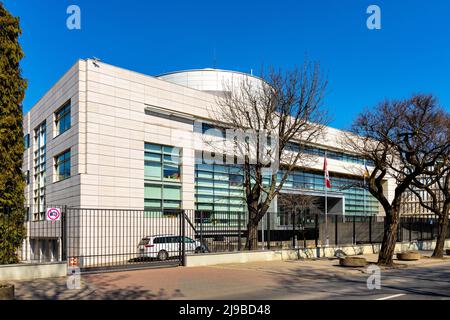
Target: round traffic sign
x: 53, y: 214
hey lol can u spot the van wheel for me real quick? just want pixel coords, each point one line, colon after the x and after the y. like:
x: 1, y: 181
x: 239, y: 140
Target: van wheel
x: 163, y: 255
x: 198, y: 250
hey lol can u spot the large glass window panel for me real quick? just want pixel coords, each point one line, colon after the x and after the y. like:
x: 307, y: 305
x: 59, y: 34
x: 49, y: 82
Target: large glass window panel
x: 221, y: 192
x: 153, y: 191
x: 153, y: 170
x: 236, y: 180
x: 171, y: 193
x: 171, y: 204
x: 153, y: 147
x: 221, y: 200
x: 205, y: 190
x: 63, y: 118
x: 26, y: 141
x: 221, y: 176
x: 221, y: 208
x: 174, y: 159
x: 239, y: 201
x: 237, y: 208
x: 236, y: 170
x: 62, y: 166
x: 236, y: 193
x: 220, y: 168
x: 205, y: 167
x: 205, y: 183
x: 221, y: 184
x: 204, y: 206
x: 205, y: 198
x: 149, y: 156
x: 172, y: 172
x: 152, y: 203
x: 204, y: 174
x: 171, y: 150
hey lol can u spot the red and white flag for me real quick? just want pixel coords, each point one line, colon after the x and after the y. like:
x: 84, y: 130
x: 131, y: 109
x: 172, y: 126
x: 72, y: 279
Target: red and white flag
x: 327, y: 174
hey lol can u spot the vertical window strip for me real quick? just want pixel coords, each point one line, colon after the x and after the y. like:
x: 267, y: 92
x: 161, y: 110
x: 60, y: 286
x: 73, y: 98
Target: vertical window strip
x: 163, y: 178
x: 63, y: 118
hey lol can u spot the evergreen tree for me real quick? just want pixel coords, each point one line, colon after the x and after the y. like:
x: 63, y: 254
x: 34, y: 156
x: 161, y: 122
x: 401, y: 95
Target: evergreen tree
x: 12, y: 92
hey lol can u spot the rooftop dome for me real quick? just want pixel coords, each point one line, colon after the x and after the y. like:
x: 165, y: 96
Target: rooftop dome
x: 215, y: 81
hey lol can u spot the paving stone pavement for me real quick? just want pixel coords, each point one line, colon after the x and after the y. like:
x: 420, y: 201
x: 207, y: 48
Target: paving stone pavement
x: 283, y: 279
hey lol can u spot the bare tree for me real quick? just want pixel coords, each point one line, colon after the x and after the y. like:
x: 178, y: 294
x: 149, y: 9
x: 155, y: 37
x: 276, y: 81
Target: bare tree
x: 399, y: 137
x: 296, y: 205
x: 267, y: 118
x: 433, y: 192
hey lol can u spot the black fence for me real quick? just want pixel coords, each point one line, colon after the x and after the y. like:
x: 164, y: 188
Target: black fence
x: 43, y: 238
x: 227, y: 231
x: 101, y: 239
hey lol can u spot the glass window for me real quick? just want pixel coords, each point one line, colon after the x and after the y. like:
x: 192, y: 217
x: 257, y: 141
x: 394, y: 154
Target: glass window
x: 172, y: 172
x: 62, y: 119
x: 170, y: 204
x: 153, y: 147
x: 153, y: 203
x: 162, y: 163
x: 236, y: 180
x: 172, y: 193
x: 62, y: 166
x: 27, y: 177
x: 171, y: 150
x: 26, y: 141
x: 211, y: 130
x: 152, y: 157
x: 219, y: 190
x: 153, y: 191
x: 152, y: 170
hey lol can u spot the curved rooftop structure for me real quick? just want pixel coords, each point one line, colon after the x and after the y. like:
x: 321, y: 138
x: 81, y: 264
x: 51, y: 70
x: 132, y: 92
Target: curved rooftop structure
x: 215, y: 81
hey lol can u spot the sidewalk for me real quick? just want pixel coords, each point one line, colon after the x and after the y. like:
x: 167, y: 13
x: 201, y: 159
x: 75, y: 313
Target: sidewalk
x: 214, y: 282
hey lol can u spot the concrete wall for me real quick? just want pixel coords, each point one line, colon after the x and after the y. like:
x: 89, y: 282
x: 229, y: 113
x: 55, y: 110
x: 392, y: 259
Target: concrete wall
x: 65, y: 192
x: 294, y: 254
x: 18, y: 272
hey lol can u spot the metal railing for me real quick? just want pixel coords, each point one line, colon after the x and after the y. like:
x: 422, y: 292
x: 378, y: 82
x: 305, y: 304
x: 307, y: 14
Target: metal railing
x: 98, y: 239
x: 227, y: 231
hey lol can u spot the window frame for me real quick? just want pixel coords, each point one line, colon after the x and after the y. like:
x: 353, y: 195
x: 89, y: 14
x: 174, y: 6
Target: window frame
x: 61, y: 114
x: 26, y: 141
x: 64, y: 162
x: 170, y: 157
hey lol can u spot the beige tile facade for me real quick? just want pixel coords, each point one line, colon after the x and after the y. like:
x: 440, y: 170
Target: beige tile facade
x: 109, y: 127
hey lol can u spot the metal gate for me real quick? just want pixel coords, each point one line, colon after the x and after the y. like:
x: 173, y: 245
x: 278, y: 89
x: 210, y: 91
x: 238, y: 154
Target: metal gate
x: 97, y: 240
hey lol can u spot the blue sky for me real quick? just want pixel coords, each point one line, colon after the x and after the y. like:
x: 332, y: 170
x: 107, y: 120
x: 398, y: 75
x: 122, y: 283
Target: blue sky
x: 411, y: 53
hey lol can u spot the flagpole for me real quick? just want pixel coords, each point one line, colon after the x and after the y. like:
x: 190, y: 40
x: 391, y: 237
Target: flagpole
x: 364, y: 187
x: 326, y: 205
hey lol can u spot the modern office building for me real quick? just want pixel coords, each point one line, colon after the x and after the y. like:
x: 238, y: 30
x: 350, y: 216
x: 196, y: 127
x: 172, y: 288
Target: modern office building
x: 106, y: 137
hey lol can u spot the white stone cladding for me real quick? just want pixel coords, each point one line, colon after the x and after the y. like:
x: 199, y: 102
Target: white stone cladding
x: 109, y: 128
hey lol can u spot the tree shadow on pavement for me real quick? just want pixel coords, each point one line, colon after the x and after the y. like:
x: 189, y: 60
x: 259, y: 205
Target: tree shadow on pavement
x: 103, y: 289
x: 322, y: 284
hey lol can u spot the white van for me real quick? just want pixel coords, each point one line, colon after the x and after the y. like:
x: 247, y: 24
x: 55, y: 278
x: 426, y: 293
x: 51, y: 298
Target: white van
x: 164, y: 247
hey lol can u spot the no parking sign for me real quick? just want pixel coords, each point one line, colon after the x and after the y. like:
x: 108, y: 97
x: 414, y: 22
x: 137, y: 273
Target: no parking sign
x: 53, y: 214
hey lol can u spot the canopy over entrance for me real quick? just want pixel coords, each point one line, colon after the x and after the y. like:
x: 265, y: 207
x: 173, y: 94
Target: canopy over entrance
x: 312, y: 202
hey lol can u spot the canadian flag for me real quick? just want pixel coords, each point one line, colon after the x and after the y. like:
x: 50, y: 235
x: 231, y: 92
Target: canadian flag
x: 327, y: 174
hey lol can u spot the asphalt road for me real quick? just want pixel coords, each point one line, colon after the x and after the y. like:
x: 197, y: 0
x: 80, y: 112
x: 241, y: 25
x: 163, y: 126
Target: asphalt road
x: 287, y: 280
x: 414, y: 283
